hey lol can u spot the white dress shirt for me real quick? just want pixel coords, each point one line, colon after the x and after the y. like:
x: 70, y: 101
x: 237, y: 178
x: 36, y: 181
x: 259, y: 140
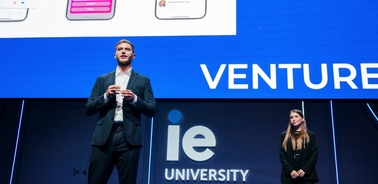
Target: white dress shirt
x: 121, y: 79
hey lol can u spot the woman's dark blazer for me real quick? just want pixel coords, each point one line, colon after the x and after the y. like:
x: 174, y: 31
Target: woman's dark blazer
x: 307, y: 160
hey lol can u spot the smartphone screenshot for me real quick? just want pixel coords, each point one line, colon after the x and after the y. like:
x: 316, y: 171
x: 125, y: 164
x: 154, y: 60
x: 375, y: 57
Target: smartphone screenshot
x: 23, y: 4
x: 13, y: 15
x: 180, y: 9
x: 90, y: 9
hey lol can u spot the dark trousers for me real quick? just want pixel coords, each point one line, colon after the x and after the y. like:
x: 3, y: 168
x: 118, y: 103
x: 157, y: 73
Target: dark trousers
x: 116, y: 152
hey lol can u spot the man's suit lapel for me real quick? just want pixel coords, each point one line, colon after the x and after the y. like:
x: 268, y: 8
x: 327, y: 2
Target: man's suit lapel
x: 133, y: 77
x: 110, y: 80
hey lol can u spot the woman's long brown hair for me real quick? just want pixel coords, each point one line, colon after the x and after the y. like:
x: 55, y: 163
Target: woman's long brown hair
x: 301, y: 138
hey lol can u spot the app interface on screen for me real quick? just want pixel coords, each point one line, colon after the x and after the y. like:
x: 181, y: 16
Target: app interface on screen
x: 90, y: 6
x: 18, y: 3
x: 7, y: 14
x: 180, y: 8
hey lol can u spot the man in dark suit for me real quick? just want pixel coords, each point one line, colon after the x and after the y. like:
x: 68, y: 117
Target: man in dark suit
x: 120, y: 97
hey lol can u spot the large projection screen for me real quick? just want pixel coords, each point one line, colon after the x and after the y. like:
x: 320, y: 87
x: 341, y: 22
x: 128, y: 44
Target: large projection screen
x: 193, y: 48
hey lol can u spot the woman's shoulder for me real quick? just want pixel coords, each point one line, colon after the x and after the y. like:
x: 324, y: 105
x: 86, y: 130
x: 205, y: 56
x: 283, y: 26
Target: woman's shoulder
x: 310, y: 133
x: 283, y: 133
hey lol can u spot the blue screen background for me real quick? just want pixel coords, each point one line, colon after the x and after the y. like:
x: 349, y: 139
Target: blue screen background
x: 268, y: 32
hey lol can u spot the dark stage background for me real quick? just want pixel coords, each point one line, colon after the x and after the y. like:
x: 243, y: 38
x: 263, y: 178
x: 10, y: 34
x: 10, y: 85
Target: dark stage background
x: 238, y: 71
x: 54, y: 139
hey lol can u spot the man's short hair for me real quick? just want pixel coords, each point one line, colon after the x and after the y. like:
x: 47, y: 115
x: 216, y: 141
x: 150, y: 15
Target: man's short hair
x: 125, y: 41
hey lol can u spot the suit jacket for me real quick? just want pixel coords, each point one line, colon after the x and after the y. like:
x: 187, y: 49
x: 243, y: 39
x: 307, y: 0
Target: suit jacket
x: 307, y: 160
x: 140, y: 85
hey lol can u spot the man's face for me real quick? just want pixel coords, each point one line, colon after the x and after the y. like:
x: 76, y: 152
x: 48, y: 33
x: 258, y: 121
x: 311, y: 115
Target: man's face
x: 124, y: 54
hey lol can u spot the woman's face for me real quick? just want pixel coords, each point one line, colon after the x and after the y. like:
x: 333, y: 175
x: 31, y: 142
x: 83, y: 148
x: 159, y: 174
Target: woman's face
x: 295, y: 119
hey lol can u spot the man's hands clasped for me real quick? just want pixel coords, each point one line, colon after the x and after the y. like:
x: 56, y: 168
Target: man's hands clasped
x: 127, y: 94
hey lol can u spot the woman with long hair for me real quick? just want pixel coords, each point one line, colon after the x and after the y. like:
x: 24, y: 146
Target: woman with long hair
x: 298, y: 152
